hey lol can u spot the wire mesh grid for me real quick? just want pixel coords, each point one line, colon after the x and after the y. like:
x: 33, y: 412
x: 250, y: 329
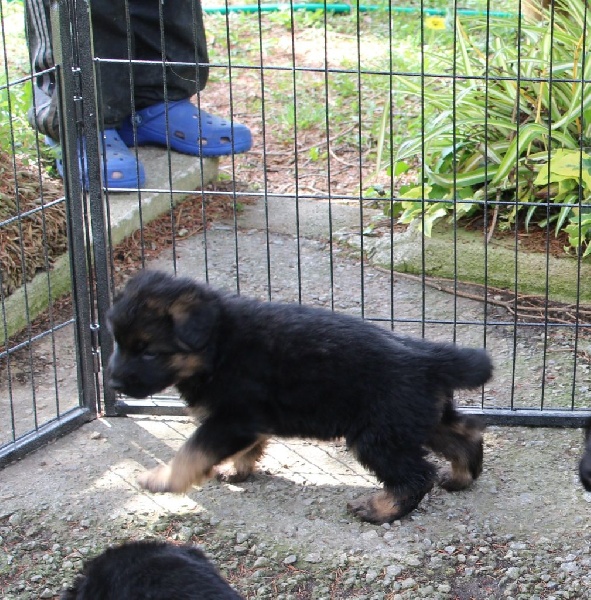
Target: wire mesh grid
x: 41, y: 369
x: 402, y: 171
x: 424, y: 167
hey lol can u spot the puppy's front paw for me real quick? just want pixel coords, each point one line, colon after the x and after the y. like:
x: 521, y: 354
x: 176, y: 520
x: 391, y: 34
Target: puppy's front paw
x: 160, y: 479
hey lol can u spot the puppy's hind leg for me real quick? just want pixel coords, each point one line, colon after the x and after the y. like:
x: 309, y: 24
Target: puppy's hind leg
x: 406, y: 475
x: 585, y: 462
x: 212, y: 443
x: 244, y: 463
x: 458, y: 438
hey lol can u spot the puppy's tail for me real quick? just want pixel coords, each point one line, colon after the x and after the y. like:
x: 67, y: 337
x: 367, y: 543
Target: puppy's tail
x: 463, y: 368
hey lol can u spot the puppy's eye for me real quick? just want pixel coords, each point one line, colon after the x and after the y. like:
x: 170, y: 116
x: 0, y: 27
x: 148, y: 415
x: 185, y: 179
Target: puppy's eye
x: 149, y: 355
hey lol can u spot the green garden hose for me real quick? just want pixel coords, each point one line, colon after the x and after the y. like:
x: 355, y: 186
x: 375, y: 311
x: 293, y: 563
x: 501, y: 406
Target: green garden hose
x: 347, y: 8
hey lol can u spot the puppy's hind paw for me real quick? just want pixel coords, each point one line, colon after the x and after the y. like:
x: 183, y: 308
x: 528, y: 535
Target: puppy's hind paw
x: 454, y: 480
x: 386, y: 506
x: 377, y: 508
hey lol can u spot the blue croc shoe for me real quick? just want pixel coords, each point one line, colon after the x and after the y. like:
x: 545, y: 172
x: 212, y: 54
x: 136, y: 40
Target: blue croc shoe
x: 190, y: 130
x: 123, y: 170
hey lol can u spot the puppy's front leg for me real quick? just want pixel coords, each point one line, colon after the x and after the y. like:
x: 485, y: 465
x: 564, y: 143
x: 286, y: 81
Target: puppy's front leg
x: 190, y: 466
x: 193, y: 464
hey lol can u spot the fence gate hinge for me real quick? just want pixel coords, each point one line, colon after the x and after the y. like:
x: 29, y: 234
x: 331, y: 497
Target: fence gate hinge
x: 96, y: 353
x: 78, y: 99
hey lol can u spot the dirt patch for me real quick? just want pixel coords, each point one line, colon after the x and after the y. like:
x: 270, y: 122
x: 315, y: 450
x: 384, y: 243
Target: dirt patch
x: 526, y: 239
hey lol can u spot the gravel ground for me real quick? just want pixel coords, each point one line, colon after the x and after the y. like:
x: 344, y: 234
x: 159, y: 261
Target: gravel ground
x: 522, y: 531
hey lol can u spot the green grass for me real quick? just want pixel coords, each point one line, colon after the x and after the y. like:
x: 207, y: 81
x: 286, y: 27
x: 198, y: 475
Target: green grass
x: 435, y: 92
x: 16, y: 135
x: 357, y: 89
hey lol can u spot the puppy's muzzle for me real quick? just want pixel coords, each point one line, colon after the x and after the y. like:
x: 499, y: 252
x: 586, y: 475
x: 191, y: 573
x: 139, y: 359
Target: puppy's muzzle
x: 115, y: 381
x: 116, y: 384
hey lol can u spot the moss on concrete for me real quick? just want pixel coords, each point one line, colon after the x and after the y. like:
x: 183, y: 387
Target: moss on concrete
x: 28, y: 302
x: 465, y: 255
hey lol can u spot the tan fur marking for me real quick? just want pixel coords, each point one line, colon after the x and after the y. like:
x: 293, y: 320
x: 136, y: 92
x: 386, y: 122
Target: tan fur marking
x: 186, y: 365
x: 155, y: 306
x: 467, y: 431
x: 245, y: 462
x: 384, y: 504
x: 457, y: 477
x: 188, y: 467
x: 180, y: 309
x: 381, y: 507
x: 199, y: 413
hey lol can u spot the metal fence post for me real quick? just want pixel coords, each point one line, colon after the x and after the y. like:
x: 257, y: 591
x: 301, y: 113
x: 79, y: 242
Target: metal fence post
x: 96, y: 201
x: 76, y: 126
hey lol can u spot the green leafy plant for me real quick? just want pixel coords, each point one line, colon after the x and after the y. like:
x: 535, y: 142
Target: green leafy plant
x: 510, y: 128
x: 16, y: 135
x: 565, y: 178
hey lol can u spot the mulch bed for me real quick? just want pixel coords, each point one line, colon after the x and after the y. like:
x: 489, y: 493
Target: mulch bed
x: 32, y: 234
x: 128, y: 256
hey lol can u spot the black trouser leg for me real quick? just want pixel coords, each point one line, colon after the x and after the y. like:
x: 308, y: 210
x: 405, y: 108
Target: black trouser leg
x: 182, y: 33
x: 176, y: 34
x: 183, y: 36
x: 43, y: 115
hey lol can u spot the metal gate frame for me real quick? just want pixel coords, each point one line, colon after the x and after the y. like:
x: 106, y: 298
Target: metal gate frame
x: 67, y: 72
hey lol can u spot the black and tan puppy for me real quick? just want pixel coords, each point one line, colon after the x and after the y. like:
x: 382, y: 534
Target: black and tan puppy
x: 250, y: 370
x: 150, y: 570
x: 585, y: 462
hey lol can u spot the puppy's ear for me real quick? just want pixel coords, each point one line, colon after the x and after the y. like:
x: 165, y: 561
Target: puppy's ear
x: 194, y: 320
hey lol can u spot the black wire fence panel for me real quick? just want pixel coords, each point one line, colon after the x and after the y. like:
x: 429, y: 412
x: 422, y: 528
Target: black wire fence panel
x: 47, y: 379
x: 425, y: 168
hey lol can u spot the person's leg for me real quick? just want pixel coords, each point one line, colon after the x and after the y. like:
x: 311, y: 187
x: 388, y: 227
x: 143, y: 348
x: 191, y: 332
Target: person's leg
x: 43, y: 115
x: 110, y: 40
x: 165, y: 114
x: 177, y: 35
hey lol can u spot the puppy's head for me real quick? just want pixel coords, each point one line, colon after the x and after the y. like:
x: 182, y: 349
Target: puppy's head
x: 163, y: 328
x: 150, y: 569
x: 585, y: 463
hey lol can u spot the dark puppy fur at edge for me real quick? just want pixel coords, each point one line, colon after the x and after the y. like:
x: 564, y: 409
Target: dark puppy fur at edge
x: 250, y: 370
x: 150, y: 570
x: 585, y: 463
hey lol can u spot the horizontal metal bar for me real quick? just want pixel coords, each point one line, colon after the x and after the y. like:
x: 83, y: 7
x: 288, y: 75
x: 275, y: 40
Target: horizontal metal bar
x: 28, y: 213
x: 157, y: 406
x: 35, y: 338
x: 530, y: 418
x: 52, y: 430
x: 505, y: 417
x: 333, y: 71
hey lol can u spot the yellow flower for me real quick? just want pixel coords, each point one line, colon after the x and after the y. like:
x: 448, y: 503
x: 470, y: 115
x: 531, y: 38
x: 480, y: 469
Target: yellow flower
x: 435, y: 23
